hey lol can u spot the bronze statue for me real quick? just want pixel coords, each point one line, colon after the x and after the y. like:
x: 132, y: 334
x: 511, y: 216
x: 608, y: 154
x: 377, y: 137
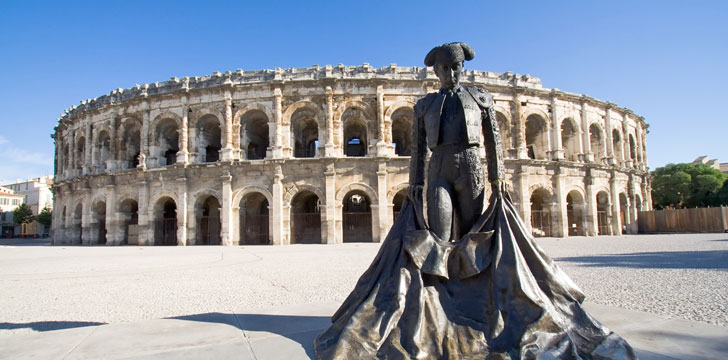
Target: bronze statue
x: 462, y: 283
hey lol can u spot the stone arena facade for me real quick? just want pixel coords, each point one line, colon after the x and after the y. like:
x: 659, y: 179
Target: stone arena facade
x: 320, y: 155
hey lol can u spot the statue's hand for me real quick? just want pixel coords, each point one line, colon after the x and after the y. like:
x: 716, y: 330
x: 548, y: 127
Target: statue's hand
x: 414, y: 192
x: 498, y: 186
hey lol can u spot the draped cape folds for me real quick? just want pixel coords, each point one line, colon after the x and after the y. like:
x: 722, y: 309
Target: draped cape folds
x: 493, y: 294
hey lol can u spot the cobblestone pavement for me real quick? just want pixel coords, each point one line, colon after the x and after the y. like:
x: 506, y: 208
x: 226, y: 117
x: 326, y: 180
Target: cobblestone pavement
x: 57, y: 287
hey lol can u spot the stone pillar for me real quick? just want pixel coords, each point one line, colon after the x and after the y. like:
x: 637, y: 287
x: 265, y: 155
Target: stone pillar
x: 616, y: 219
x: 586, y: 136
x: 227, y: 151
x: 625, y: 142
x: 227, y: 209
x: 557, y: 146
x: 183, y: 155
x: 86, y: 233
x: 145, y: 155
x: 560, y: 217
x: 182, y: 213
x: 521, y: 152
x: 384, y: 217
x: 112, y: 217
x: 146, y: 225
x: 644, y: 149
x: 71, y: 155
x: 383, y: 148
x: 111, y: 164
x: 630, y: 197
x: 87, y: 148
x: 611, y: 159
x: 277, y: 133
x: 331, y: 215
x: 640, y: 160
x: 276, y: 208
x: 329, y: 150
x: 592, y: 223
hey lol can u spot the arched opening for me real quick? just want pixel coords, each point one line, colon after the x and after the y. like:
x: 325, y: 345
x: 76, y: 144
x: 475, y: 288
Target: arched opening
x: 617, y: 146
x: 167, y: 142
x: 304, y: 133
x: 541, y: 213
x: 254, y: 134
x: 575, y: 213
x: 596, y: 141
x: 504, y: 127
x: 402, y: 131
x: 254, y: 220
x: 603, y: 213
x: 357, y: 217
x: 536, y: 137
x: 63, y: 221
x: 129, y: 145
x: 129, y: 218
x: 98, y: 222
x: 207, y: 213
x: 623, y: 210
x: 397, y: 203
x: 77, y: 232
x: 165, y: 222
x: 208, y: 139
x: 305, y: 218
x: 103, y: 150
x: 66, y: 158
x: 632, y: 149
x: 570, y: 140
x: 638, y: 203
x: 80, y: 153
x: 356, y: 140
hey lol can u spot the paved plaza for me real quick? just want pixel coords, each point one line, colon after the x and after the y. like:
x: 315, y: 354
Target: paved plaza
x: 663, y: 293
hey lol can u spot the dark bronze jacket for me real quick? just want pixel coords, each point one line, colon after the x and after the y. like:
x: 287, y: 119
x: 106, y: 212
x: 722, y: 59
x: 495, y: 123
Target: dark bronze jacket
x: 479, y: 119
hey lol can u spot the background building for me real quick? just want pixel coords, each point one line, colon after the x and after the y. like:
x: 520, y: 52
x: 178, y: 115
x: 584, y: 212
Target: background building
x: 8, y: 202
x: 37, y: 194
x: 321, y: 155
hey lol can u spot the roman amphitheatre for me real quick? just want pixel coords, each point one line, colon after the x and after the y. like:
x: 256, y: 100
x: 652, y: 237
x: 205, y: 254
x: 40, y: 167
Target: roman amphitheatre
x: 321, y: 155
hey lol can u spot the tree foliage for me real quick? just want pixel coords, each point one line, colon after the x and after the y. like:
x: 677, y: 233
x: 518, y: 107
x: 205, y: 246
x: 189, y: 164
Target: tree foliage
x: 688, y: 185
x: 23, y: 214
x: 45, y: 217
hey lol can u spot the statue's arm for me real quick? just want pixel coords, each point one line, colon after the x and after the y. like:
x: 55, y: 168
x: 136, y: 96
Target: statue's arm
x: 493, y: 149
x: 418, y: 149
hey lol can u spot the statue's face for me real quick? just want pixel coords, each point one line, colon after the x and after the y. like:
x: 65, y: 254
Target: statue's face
x: 449, y: 74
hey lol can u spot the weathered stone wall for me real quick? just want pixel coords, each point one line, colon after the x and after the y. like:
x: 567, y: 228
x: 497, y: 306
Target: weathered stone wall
x: 198, y: 149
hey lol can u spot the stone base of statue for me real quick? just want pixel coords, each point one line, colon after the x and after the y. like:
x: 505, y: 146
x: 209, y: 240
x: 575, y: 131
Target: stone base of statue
x: 493, y: 294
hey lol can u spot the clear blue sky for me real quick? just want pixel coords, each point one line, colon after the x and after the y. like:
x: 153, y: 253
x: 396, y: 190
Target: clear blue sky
x: 665, y: 60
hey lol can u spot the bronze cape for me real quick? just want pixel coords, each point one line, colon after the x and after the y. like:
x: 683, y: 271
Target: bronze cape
x: 493, y: 294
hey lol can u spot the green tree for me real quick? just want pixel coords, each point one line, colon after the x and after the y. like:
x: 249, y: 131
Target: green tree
x: 23, y: 214
x: 686, y: 185
x: 45, y: 217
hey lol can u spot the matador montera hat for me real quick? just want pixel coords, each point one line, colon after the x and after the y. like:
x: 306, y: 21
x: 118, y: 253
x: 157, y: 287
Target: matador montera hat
x: 451, y: 52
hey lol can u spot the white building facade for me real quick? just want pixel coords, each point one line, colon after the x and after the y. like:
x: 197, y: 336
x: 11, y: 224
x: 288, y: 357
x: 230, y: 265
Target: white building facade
x: 321, y: 155
x: 37, y: 193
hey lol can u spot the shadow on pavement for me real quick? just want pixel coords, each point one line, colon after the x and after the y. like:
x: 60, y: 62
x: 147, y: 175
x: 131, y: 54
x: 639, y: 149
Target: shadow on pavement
x: 26, y: 242
x: 258, y: 327
x: 48, y: 325
x: 714, y: 260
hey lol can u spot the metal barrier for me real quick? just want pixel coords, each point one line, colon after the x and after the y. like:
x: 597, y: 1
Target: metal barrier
x: 357, y: 226
x: 541, y: 222
x: 695, y: 220
x: 306, y: 228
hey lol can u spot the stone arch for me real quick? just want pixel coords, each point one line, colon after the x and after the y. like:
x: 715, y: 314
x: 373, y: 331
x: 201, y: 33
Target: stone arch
x: 252, y: 214
x: 154, y: 199
x: 367, y: 113
x: 206, y: 111
x: 80, y: 155
x: 541, y: 199
x: 575, y: 212
x: 102, y: 146
x: 406, y: 104
x: 127, y: 209
x: 239, y: 194
x: 401, y: 120
x: 296, y: 188
x: 536, y: 125
x: 570, y: 138
x: 357, y: 186
x: 359, y: 129
x: 207, y: 133
x: 505, y: 127
x: 597, y: 141
x: 207, y: 204
x: 603, y: 217
x: 97, y: 221
x: 252, y: 134
x: 204, y: 192
x: 305, y: 217
x: 306, y: 128
x: 617, y: 138
x: 632, y: 149
x: 129, y: 140
x: 164, y: 213
x: 394, y: 190
x: 356, y: 216
x: 165, y: 135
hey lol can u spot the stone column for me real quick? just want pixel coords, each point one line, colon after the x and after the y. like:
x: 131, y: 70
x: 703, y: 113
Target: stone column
x: 560, y: 217
x: 331, y: 231
x: 87, y: 165
x: 182, y: 213
x: 86, y: 233
x: 146, y: 226
x: 145, y: 155
x: 277, y: 138
x: 616, y: 219
x: 611, y: 159
x: 227, y: 209
x: 70, y: 172
x: 112, y: 217
x: 521, y: 152
x: 640, y: 160
x: 227, y: 151
x: 384, y: 217
x: 625, y: 142
x: 586, y: 136
x: 183, y: 155
x: 557, y: 146
x: 592, y: 228
x: 276, y: 207
x: 383, y: 148
x: 329, y: 147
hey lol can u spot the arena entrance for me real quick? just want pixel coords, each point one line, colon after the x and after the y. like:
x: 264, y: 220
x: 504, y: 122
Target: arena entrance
x: 77, y: 235
x: 254, y: 220
x: 603, y: 213
x: 129, y: 218
x: 165, y: 222
x: 208, y: 225
x: 305, y: 218
x: 623, y: 210
x: 540, y: 213
x: 98, y: 220
x: 208, y: 139
x: 575, y: 213
x: 357, y: 217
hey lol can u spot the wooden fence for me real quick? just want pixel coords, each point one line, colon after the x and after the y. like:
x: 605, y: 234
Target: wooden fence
x: 696, y: 220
